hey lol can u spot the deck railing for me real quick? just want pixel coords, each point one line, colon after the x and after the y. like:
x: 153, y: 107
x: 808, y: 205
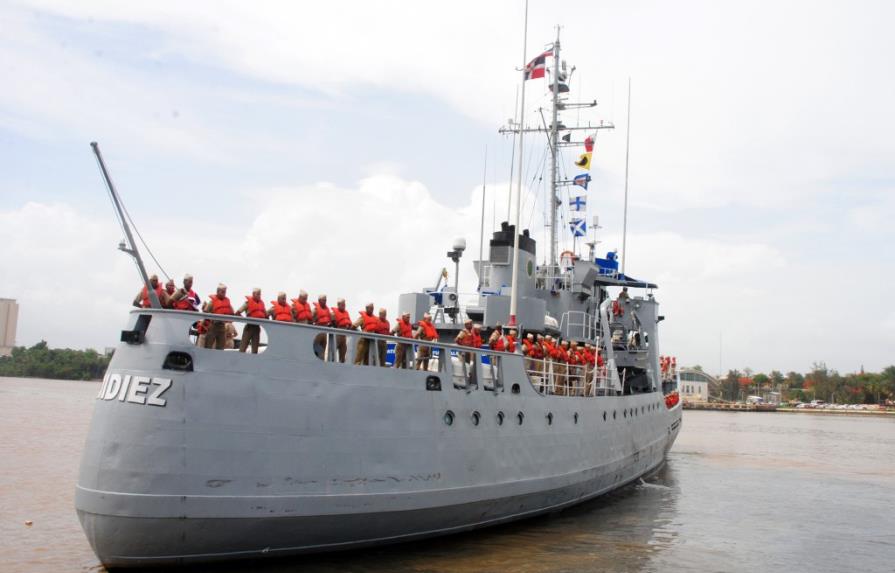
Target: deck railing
x: 467, y: 368
x: 562, y: 379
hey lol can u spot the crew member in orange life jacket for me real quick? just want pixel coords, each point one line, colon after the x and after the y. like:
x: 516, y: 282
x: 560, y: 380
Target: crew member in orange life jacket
x: 403, y: 329
x: 366, y: 322
x: 464, y: 338
x: 251, y: 333
x: 185, y: 298
x: 170, y: 289
x: 497, y: 341
x: 280, y: 309
x: 511, y: 341
x: 142, y: 298
x: 218, y: 303
x: 301, y: 309
x: 618, y: 306
x: 321, y: 315
x: 341, y: 319
x: 383, y: 328
x: 426, y: 331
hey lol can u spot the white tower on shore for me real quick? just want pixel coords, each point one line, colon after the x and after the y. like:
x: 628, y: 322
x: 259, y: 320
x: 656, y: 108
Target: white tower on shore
x: 9, y: 316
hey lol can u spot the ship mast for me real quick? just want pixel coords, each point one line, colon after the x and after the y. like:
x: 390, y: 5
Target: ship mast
x: 514, y: 289
x: 554, y: 133
x: 559, y: 85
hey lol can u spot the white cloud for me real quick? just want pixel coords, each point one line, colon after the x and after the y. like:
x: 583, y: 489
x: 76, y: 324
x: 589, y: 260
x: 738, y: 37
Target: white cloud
x: 718, y: 117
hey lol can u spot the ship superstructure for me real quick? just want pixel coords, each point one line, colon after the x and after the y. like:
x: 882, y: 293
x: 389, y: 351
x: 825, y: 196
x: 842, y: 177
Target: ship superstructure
x: 197, y: 455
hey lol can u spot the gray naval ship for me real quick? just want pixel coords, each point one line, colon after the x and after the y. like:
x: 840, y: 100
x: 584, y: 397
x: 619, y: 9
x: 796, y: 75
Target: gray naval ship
x: 196, y: 454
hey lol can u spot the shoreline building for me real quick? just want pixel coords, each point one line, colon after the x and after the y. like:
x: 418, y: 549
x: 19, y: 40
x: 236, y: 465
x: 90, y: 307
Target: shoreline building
x: 694, y: 385
x: 9, y: 317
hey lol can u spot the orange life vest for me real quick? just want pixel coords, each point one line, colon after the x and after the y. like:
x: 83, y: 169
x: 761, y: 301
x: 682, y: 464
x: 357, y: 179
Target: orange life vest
x: 476, y: 339
x: 511, y: 344
x: 382, y: 327
x: 466, y: 340
x: 186, y: 302
x: 562, y: 354
x: 499, y: 344
x: 405, y: 328
x: 158, y: 291
x: 302, y: 310
x: 220, y: 305
x: 528, y: 347
x: 371, y: 322
x: 342, y: 318
x: 429, y: 330
x: 324, y: 316
x: 255, y: 308
x: 281, y: 312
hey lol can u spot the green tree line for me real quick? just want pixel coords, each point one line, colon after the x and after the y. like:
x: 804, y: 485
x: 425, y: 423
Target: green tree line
x: 40, y: 361
x: 820, y: 383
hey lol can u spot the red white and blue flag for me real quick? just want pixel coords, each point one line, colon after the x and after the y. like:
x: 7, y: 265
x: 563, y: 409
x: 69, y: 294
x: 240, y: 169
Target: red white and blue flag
x: 582, y: 180
x: 537, y: 67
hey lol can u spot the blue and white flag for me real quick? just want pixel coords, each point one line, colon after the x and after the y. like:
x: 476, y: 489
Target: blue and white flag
x: 578, y: 203
x: 582, y: 180
x: 578, y: 227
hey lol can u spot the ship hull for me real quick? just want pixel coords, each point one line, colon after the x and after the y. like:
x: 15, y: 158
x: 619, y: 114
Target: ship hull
x: 282, y: 453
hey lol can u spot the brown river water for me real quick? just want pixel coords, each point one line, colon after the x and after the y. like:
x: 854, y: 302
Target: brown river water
x: 741, y: 492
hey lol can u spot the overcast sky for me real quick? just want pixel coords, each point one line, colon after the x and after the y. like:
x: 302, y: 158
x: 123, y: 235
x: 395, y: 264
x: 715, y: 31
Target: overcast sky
x: 339, y: 148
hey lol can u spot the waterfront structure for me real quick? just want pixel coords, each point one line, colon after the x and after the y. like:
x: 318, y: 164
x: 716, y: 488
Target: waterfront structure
x: 199, y: 454
x: 694, y: 385
x: 9, y: 317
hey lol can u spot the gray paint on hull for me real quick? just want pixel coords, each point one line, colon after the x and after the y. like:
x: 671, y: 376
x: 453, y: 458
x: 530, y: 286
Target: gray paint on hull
x: 170, y: 541
x: 281, y: 452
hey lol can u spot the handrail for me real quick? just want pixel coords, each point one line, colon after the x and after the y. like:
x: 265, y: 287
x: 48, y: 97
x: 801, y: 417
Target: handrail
x: 323, y: 329
x: 550, y: 377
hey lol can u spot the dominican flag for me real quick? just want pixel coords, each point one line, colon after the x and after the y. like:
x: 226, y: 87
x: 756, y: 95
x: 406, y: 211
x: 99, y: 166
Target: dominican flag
x: 537, y: 67
x: 578, y: 203
x: 578, y: 227
x: 582, y: 180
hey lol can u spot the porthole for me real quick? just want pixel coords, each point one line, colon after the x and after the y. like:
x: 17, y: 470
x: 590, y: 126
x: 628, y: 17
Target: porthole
x: 613, y: 414
x: 500, y: 417
x: 449, y: 418
x: 625, y: 413
x: 575, y: 417
x: 520, y: 417
x: 476, y: 418
x: 604, y: 416
x: 515, y: 389
x: 549, y: 418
